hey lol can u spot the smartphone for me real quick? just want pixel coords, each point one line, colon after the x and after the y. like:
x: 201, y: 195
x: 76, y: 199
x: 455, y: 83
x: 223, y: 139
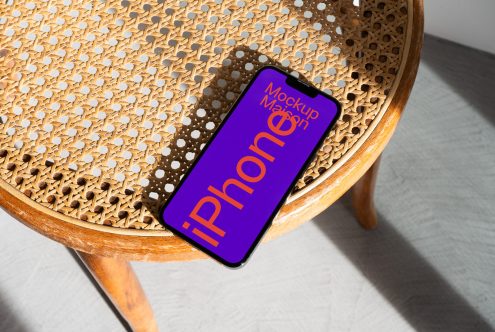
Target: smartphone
x: 243, y: 175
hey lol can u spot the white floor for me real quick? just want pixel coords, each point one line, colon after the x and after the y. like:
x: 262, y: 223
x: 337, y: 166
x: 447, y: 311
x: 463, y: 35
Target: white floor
x: 429, y: 266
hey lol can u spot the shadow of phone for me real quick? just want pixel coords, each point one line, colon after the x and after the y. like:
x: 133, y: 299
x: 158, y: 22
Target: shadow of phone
x: 199, y: 124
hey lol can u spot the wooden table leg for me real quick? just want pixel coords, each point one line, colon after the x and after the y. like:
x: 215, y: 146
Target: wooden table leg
x: 117, y: 278
x: 362, y: 197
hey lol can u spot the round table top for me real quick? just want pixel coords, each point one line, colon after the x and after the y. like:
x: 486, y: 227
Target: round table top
x: 105, y: 104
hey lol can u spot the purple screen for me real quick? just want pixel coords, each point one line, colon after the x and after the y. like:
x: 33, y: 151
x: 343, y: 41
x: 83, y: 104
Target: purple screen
x: 230, y: 195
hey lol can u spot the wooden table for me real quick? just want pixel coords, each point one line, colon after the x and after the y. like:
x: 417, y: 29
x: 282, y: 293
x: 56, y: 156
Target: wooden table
x: 106, y: 104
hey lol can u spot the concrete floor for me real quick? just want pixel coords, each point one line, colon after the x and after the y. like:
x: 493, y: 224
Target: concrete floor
x: 429, y: 266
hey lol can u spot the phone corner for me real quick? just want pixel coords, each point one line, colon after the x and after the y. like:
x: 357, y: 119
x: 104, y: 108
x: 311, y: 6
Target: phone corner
x: 338, y: 105
x: 236, y: 264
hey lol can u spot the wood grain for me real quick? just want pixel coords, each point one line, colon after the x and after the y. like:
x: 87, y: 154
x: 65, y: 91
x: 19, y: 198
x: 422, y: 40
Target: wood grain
x: 117, y: 278
x: 362, y: 197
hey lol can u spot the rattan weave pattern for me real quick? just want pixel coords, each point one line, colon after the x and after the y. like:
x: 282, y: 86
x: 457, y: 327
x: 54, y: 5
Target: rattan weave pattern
x: 105, y: 104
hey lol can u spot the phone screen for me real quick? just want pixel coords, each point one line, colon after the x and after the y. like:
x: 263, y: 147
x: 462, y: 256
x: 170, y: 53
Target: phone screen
x: 234, y: 189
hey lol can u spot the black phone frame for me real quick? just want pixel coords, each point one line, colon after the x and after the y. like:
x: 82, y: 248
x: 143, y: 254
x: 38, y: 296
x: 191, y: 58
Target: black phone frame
x: 269, y: 221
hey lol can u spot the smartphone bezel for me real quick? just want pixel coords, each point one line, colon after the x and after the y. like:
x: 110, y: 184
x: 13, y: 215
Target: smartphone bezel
x: 269, y: 221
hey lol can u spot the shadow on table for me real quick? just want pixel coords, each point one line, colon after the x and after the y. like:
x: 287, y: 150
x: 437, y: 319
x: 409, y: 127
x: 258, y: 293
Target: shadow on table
x: 229, y: 80
x: 405, y: 279
x: 9, y: 321
x: 468, y: 71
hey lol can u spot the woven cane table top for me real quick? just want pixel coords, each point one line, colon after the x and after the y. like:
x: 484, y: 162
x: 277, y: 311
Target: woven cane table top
x: 105, y: 104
